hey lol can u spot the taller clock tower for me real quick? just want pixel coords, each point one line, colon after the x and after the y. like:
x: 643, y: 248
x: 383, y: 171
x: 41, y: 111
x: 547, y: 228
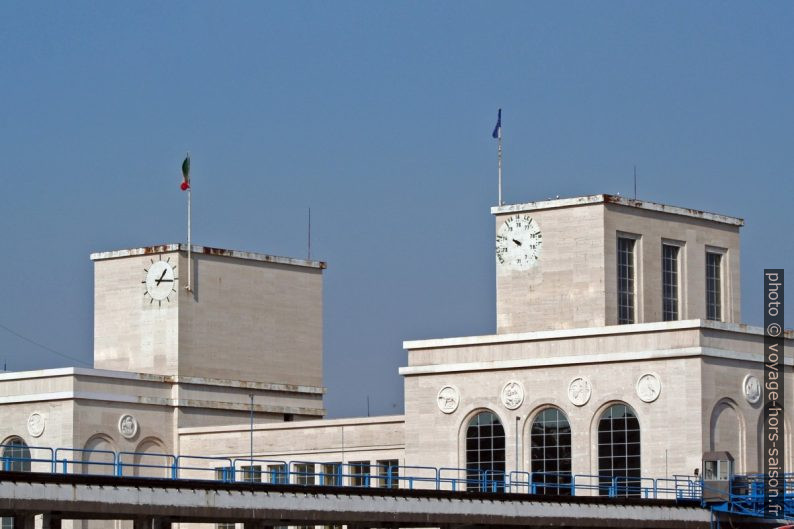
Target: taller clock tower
x: 559, y: 264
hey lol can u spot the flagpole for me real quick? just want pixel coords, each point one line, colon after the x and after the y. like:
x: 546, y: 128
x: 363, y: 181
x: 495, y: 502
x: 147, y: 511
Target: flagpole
x: 500, y: 165
x: 189, y: 246
x: 186, y: 187
x: 497, y: 134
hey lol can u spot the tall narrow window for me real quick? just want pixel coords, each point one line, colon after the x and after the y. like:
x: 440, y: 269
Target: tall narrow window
x: 551, y: 453
x: 619, y: 452
x: 713, y: 286
x: 670, y: 278
x: 625, y: 280
x: 485, y: 453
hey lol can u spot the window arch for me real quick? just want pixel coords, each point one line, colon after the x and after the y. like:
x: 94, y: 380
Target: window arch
x: 16, y: 455
x: 550, y: 441
x: 727, y: 431
x: 485, y: 452
x: 619, y: 451
x: 99, y: 455
x: 150, y: 459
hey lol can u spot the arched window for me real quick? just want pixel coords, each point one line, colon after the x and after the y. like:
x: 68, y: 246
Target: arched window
x: 485, y: 453
x: 16, y: 456
x: 619, y: 452
x: 550, y: 438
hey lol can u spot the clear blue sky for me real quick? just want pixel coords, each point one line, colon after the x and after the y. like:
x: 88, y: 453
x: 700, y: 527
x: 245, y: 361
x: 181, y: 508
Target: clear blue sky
x: 378, y: 116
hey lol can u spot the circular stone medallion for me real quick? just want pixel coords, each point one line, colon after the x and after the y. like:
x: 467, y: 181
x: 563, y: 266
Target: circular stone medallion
x: 36, y: 424
x: 579, y: 391
x: 751, y: 387
x: 648, y: 387
x: 128, y: 426
x: 448, y: 399
x: 512, y: 395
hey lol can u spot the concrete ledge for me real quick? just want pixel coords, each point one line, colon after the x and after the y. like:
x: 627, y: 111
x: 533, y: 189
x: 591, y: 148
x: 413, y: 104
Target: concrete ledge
x: 619, y: 200
x: 666, y: 354
x: 302, y: 425
x: 660, y: 326
x: 184, y: 501
x: 206, y: 250
x: 159, y: 401
x: 169, y: 379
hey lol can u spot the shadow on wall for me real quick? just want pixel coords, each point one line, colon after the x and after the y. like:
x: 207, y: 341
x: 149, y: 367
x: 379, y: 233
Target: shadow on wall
x: 727, y: 432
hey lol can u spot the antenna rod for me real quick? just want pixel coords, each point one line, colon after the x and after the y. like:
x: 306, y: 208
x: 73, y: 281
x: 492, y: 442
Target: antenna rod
x: 251, y: 438
x: 310, y: 234
x: 635, y: 182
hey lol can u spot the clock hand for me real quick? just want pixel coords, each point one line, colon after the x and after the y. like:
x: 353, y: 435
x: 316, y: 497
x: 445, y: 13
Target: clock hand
x: 161, y: 277
x: 517, y: 242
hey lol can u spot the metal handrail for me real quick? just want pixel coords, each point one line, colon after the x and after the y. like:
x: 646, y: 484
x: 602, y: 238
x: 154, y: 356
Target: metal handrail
x: 744, y: 493
x: 467, y: 482
x: 272, y: 468
x: 226, y: 469
x: 171, y: 467
x: 6, y: 461
x: 84, y: 462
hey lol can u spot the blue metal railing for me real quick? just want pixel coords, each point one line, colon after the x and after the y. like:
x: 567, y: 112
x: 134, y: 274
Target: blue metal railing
x: 742, y: 494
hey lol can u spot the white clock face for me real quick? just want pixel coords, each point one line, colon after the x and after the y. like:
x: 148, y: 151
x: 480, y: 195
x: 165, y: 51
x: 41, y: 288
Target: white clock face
x: 160, y: 281
x: 518, y: 242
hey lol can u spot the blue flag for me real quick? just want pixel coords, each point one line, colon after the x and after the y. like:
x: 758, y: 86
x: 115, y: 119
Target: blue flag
x: 498, y: 128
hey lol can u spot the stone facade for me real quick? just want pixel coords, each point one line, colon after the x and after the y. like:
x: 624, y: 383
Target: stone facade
x: 175, y: 375
x: 251, y: 325
x: 247, y: 316
x: 574, y: 281
x: 700, y: 366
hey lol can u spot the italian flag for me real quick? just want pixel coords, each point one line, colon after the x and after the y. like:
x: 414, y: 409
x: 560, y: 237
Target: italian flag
x: 186, y: 173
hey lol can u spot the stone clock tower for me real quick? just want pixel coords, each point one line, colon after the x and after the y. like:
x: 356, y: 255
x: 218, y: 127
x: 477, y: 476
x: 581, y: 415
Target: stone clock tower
x: 247, y: 317
x: 557, y: 262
